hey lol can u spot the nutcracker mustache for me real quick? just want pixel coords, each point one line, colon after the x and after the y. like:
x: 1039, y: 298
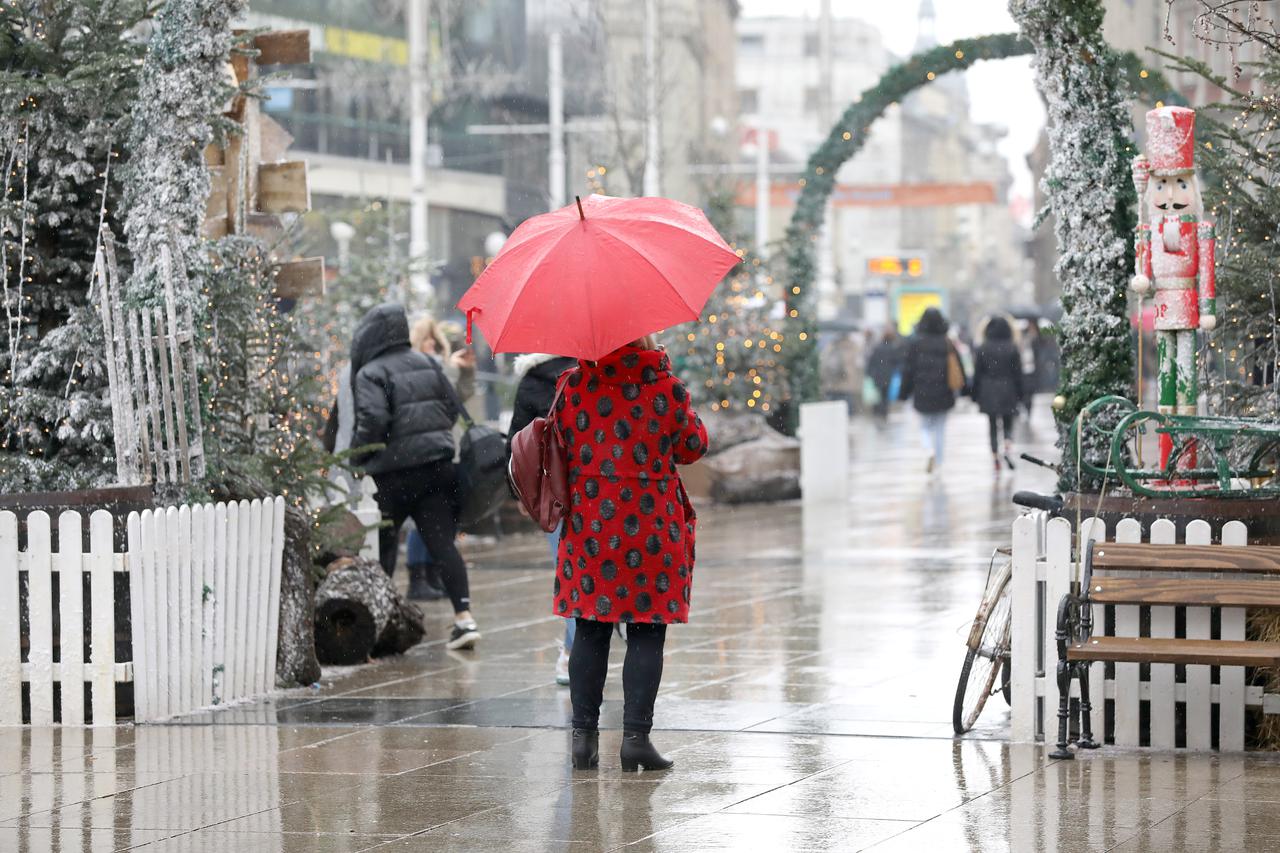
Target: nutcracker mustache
x: 1175, y: 206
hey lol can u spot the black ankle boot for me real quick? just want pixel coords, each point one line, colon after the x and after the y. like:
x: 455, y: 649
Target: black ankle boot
x: 639, y: 754
x: 586, y: 749
x: 424, y: 582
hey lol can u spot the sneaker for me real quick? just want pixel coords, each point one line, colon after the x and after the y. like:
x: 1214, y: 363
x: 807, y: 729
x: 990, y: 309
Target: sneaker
x: 463, y: 636
x: 562, y: 666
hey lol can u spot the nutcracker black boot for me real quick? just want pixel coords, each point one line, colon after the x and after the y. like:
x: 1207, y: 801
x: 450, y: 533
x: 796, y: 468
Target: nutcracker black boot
x: 586, y: 749
x: 639, y: 754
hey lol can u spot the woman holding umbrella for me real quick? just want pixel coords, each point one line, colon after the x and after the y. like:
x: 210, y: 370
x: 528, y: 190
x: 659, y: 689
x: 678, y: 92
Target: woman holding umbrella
x: 593, y: 282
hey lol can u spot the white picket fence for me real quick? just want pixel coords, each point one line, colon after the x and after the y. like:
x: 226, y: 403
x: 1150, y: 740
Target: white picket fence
x: 1044, y: 567
x: 204, y: 604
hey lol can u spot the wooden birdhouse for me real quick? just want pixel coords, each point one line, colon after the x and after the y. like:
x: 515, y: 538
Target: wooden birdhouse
x: 253, y: 181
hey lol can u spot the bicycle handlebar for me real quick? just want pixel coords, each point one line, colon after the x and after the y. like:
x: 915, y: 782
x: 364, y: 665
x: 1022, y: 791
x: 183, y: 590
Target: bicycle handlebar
x: 1037, y: 461
x: 1034, y: 500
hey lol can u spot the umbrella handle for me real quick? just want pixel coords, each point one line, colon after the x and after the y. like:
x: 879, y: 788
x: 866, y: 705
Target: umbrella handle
x: 470, y: 313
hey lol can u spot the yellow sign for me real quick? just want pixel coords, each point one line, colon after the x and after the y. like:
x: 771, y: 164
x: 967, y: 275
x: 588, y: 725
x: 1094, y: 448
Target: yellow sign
x: 893, y: 267
x: 367, y: 46
x: 911, y: 305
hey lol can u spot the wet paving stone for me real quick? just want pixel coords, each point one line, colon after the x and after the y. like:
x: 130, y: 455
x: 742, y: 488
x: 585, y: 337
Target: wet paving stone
x: 807, y: 707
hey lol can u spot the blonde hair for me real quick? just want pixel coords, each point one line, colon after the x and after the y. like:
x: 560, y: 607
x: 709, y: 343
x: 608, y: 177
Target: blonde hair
x: 426, y: 327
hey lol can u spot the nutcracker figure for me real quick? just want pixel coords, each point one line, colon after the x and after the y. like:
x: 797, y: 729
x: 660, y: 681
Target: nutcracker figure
x: 1174, y: 249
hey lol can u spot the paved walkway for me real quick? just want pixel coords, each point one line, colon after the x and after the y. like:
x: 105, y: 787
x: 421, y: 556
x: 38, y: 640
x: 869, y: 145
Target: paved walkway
x: 807, y: 708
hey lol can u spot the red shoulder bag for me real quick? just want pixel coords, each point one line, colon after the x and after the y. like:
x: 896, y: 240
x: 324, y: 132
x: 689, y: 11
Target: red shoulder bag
x: 539, y: 469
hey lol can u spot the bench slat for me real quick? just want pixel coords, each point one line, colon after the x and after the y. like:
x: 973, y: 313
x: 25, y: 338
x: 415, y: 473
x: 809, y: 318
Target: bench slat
x: 1186, y: 558
x: 1177, y: 651
x: 1212, y: 592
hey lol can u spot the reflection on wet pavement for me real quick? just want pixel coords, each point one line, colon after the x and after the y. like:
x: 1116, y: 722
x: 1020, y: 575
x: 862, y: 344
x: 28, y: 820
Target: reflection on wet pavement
x: 807, y: 707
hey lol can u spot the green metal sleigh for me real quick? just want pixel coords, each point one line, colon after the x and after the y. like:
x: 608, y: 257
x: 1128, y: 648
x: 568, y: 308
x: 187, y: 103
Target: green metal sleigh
x: 1235, y: 457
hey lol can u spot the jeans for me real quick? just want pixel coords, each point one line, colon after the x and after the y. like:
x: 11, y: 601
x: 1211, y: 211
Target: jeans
x: 933, y: 430
x: 427, y: 494
x: 418, y: 554
x: 570, y: 625
x: 641, y: 673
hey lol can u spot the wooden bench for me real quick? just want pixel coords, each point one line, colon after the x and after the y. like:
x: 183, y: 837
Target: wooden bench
x: 1152, y: 579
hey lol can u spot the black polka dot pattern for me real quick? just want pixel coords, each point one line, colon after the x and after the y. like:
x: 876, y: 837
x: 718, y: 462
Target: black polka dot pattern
x: 628, y: 546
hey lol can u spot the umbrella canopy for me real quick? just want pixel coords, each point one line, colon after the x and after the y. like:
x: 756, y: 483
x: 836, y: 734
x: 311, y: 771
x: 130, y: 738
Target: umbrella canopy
x: 586, y: 279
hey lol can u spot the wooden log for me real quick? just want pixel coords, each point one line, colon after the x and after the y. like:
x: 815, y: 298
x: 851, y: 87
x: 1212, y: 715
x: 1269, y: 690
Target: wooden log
x: 283, y: 188
x: 298, y: 278
x: 296, y: 654
x: 360, y: 614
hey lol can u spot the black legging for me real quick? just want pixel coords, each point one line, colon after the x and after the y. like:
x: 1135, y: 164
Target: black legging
x: 994, y: 422
x: 641, y: 673
x: 428, y: 495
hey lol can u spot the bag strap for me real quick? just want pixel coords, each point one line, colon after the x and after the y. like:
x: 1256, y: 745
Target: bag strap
x: 560, y: 386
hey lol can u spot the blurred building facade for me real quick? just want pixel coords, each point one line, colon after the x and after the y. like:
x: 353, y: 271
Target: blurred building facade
x: 488, y: 66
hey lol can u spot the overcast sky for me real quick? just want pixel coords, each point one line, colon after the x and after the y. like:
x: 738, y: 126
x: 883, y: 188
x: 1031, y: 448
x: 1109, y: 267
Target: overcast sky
x: 1001, y: 92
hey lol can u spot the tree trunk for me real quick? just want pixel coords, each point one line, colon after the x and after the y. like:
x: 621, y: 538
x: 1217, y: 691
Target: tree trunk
x: 360, y: 615
x: 296, y: 662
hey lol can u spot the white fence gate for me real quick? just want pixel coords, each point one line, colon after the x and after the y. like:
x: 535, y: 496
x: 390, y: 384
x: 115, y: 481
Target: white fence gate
x: 1043, y: 569
x: 204, y: 603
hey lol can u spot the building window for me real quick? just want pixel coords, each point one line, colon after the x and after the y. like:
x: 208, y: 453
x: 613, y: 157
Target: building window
x: 748, y: 100
x: 811, y: 44
x: 811, y: 99
x: 751, y: 45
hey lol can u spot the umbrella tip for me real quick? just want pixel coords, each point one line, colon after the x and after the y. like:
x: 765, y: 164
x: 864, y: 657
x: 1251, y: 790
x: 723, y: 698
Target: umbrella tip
x: 581, y: 216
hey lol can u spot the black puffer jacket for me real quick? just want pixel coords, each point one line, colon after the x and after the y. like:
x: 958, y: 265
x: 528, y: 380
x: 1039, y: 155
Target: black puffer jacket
x: 402, y: 398
x: 997, y: 371
x: 537, y: 388
x: 924, y: 370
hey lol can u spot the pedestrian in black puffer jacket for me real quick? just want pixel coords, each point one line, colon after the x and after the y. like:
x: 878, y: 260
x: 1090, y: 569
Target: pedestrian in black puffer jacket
x: 536, y: 374
x: 925, y: 381
x: 404, y: 401
x: 998, y: 384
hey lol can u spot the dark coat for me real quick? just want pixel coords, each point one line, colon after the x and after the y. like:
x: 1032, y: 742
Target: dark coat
x: 627, y: 551
x: 924, y: 370
x: 884, y: 361
x: 402, y: 398
x: 537, y: 390
x: 997, y: 371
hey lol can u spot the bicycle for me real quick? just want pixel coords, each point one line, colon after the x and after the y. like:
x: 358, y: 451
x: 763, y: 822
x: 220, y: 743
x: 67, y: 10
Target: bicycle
x: 988, y: 645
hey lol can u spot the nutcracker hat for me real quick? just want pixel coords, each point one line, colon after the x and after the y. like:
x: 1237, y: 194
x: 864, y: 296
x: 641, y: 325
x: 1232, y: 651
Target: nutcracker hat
x: 1171, y: 140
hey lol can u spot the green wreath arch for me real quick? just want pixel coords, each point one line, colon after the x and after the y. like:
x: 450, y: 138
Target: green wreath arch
x: 847, y: 137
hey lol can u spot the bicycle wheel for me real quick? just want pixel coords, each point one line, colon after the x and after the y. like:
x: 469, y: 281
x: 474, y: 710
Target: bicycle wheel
x: 982, y: 664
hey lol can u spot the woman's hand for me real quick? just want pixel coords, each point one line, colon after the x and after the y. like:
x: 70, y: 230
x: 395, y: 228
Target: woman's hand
x: 463, y: 359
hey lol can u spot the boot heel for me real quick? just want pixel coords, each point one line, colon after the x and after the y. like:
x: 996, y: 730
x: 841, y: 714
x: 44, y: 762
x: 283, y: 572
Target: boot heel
x: 630, y: 766
x: 585, y: 753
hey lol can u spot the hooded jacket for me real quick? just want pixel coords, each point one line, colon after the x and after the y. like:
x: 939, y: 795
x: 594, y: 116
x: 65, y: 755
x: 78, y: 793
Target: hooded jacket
x: 402, y: 398
x: 537, y: 374
x: 924, y: 371
x: 997, y: 370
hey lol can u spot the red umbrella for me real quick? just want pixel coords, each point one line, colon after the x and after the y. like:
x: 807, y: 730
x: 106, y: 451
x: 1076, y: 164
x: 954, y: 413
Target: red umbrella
x: 586, y: 279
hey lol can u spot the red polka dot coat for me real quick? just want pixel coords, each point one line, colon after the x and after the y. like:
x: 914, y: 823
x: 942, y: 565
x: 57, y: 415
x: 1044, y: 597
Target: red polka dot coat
x: 627, y: 547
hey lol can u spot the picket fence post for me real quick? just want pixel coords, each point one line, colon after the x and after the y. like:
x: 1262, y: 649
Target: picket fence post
x: 10, y: 624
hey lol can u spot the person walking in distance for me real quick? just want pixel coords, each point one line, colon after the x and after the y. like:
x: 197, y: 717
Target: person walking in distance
x: 627, y: 551
x: 404, y: 402
x: 932, y: 376
x: 998, y: 385
x: 536, y: 375
x: 882, y: 365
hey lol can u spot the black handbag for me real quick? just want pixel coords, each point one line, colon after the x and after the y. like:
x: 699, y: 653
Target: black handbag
x: 481, y: 467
